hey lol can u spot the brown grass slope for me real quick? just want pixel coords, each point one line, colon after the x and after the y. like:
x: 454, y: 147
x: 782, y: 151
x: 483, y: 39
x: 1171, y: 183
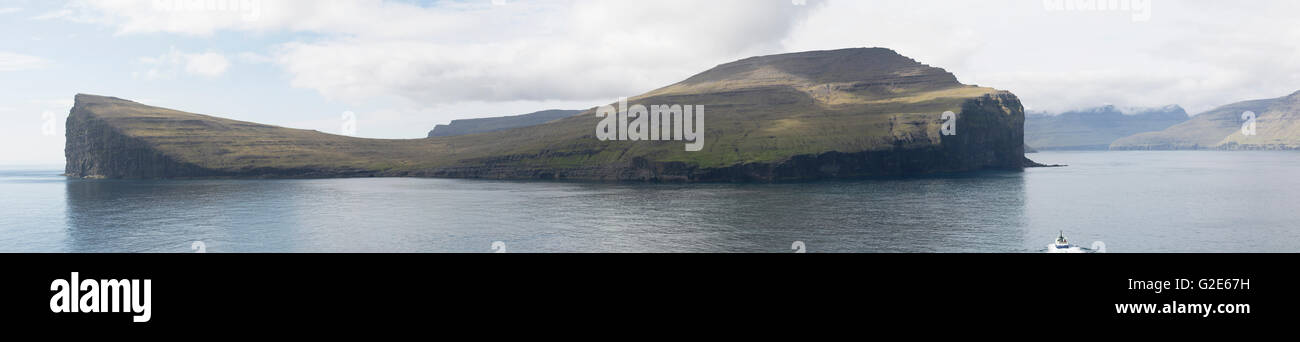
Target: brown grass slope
x: 810, y: 115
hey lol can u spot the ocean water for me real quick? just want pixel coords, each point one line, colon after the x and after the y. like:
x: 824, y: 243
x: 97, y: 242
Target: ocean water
x: 1130, y: 201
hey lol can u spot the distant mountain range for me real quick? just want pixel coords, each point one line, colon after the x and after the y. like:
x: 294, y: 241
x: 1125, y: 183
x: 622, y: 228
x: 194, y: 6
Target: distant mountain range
x: 1096, y: 128
x: 485, y: 125
x: 810, y: 115
x: 1277, y: 127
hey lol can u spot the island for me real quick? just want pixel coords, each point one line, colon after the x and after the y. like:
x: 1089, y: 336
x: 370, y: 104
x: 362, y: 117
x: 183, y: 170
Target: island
x: 862, y: 112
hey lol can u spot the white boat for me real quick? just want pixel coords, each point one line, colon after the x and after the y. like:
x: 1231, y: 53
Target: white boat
x: 1062, y: 245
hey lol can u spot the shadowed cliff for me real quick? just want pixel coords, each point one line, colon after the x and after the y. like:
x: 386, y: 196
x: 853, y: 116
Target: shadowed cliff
x: 810, y: 115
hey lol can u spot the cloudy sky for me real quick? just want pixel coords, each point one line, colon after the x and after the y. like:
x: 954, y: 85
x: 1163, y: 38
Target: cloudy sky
x: 404, y: 66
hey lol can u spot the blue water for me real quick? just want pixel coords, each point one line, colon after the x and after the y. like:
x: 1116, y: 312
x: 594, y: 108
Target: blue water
x: 1131, y: 201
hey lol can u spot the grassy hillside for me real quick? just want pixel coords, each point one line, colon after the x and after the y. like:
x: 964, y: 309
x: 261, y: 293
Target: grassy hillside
x: 1277, y: 127
x: 761, y: 113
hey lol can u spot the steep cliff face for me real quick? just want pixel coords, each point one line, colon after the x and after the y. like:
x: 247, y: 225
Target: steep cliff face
x: 96, y: 149
x: 812, y: 115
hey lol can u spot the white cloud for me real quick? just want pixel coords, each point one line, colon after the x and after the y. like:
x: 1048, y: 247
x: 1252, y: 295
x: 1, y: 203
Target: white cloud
x: 7, y: 10
x: 58, y: 103
x: 453, y: 52
x: 77, y: 11
x: 254, y: 58
x: 14, y: 62
x: 1196, y: 53
x: 206, y: 64
x: 364, y: 17
x: 603, y: 49
x: 168, y: 65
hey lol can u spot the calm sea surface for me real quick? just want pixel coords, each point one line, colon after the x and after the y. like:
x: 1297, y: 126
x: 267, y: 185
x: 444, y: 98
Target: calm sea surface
x: 1131, y: 201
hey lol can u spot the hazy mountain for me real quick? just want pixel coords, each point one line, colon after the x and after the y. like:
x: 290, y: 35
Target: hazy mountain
x: 1096, y: 128
x: 1277, y: 126
x: 809, y: 115
x: 484, y: 125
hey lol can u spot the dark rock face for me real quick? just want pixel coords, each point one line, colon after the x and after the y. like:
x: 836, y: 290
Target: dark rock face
x: 97, y: 150
x: 485, y: 125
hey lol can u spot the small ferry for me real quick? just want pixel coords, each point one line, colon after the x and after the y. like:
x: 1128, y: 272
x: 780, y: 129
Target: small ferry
x: 1062, y: 245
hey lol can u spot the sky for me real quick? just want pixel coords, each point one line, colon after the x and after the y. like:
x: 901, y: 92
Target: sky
x: 395, y: 69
